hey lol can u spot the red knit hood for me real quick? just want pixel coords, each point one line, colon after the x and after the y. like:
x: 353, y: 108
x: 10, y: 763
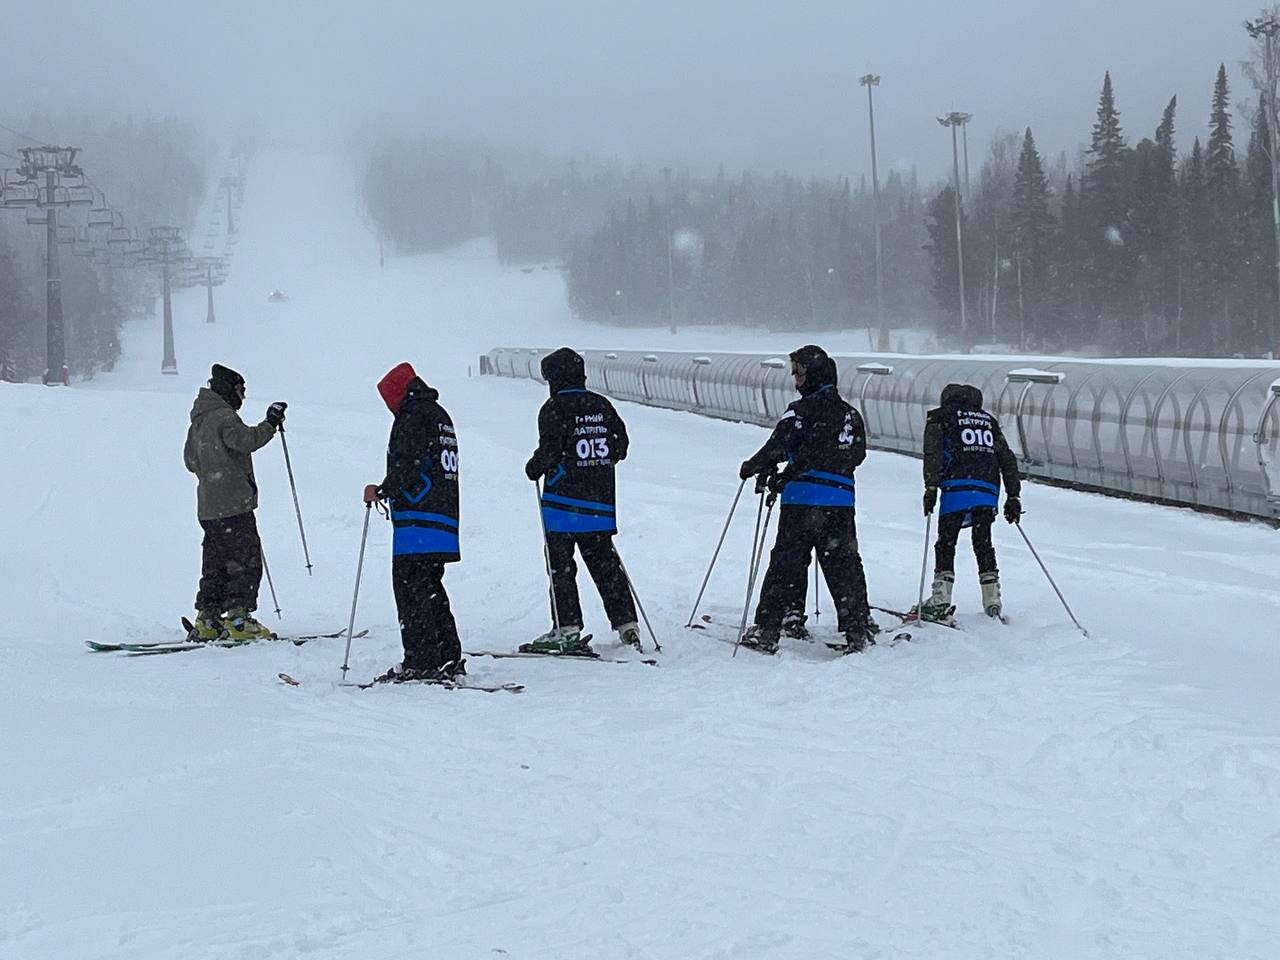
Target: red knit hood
x: 395, y: 385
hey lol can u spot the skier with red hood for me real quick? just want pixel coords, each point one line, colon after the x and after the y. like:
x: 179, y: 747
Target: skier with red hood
x: 421, y: 487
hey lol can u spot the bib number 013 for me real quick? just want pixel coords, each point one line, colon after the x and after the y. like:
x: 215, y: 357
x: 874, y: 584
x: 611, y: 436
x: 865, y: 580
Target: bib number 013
x: 593, y: 448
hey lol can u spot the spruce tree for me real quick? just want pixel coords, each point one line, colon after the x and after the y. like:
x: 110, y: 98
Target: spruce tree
x: 1032, y: 231
x: 1105, y: 197
x: 941, y: 226
x: 1192, y: 334
x: 1259, y: 280
x: 1222, y: 184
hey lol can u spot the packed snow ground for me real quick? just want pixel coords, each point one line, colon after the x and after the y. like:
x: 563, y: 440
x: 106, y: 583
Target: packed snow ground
x: 1009, y: 791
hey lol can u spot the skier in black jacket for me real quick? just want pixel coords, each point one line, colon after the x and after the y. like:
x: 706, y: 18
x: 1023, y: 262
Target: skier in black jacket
x: 822, y: 440
x: 581, y: 439
x: 965, y: 458
x: 422, y: 487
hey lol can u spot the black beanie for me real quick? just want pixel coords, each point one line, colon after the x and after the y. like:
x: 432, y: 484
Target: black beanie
x: 224, y: 382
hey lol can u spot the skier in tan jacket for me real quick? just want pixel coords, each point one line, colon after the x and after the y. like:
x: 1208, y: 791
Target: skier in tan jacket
x: 219, y: 452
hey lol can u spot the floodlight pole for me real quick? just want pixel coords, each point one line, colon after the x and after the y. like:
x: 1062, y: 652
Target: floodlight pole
x: 1267, y: 28
x: 872, y: 80
x: 953, y: 120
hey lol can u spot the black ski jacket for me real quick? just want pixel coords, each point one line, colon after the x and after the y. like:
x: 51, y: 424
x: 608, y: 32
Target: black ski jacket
x: 422, y: 477
x: 823, y: 440
x: 581, y: 439
x: 966, y: 454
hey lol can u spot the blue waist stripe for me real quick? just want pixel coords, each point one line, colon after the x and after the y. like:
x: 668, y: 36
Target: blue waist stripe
x: 799, y: 493
x: 420, y: 515
x: 954, y: 501
x: 552, y: 498
x: 565, y: 521
x: 966, y: 482
x: 407, y: 540
x: 832, y: 477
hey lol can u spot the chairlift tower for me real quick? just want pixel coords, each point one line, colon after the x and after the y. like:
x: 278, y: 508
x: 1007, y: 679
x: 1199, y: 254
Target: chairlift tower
x: 47, y: 177
x: 165, y: 248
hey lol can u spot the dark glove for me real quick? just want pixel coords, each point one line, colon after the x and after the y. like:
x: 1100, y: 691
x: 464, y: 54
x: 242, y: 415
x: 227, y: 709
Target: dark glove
x: 746, y: 470
x: 777, y: 481
x: 930, y: 500
x: 532, y: 469
x: 275, y: 414
x: 1012, y: 509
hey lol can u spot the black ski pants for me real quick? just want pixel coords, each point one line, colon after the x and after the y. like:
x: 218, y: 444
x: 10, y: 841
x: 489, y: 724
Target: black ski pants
x: 832, y: 532
x: 944, y: 550
x: 231, y: 569
x: 605, y: 569
x: 427, y: 630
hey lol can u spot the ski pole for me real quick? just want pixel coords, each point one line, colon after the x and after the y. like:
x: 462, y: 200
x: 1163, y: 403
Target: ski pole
x: 817, y: 597
x: 288, y: 465
x: 705, y: 580
x: 351, y: 626
x: 1050, y: 579
x: 267, y: 570
x: 639, y: 606
x: 924, y: 565
x: 758, y: 557
x: 546, y: 555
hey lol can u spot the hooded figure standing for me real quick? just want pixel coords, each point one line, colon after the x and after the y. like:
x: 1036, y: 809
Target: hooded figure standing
x: 822, y: 440
x: 219, y: 451
x: 581, y: 439
x: 422, y: 487
x: 965, y: 457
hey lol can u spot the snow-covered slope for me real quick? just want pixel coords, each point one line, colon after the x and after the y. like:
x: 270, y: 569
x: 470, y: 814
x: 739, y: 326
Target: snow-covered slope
x: 1001, y: 792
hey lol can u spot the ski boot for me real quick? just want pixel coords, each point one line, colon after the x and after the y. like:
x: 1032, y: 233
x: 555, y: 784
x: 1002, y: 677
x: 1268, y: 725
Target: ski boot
x: 453, y: 671
x: 241, y: 626
x: 991, y: 604
x: 793, y: 626
x: 629, y: 635
x: 858, y: 638
x: 939, y: 608
x: 403, y: 674
x: 206, y: 628
x: 756, y: 638
x: 562, y: 642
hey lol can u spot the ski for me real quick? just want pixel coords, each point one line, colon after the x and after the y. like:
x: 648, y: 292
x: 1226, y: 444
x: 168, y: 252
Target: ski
x: 910, y: 617
x: 181, y: 646
x: 514, y: 654
x: 707, y: 618
x: 893, y: 641
x: 446, y: 684
x: 334, y: 635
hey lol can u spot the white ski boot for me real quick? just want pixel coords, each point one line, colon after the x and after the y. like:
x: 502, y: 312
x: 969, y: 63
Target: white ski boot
x: 939, y: 608
x: 991, y: 604
x: 629, y: 635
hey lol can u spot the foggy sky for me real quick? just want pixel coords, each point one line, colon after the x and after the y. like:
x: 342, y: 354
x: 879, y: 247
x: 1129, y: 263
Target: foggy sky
x: 757, y: 85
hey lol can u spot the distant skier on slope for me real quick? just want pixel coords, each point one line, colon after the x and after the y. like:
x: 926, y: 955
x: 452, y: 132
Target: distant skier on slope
x: 581, y: 440
x: 823, y: 441
x: 422, y: 486
x: 965, y: 458
x: 219, y: 451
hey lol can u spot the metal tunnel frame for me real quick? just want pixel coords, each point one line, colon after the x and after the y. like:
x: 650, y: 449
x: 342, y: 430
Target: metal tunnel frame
x: 1201, y: 434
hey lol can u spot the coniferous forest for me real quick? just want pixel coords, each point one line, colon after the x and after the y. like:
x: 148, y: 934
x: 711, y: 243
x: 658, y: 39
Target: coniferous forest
x: 1142, y: 245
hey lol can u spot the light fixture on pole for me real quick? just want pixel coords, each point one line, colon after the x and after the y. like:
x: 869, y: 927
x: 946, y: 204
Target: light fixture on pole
x: 872, y: 80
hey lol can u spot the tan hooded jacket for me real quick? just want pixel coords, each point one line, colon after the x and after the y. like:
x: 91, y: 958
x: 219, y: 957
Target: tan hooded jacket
x: 219, y: 452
